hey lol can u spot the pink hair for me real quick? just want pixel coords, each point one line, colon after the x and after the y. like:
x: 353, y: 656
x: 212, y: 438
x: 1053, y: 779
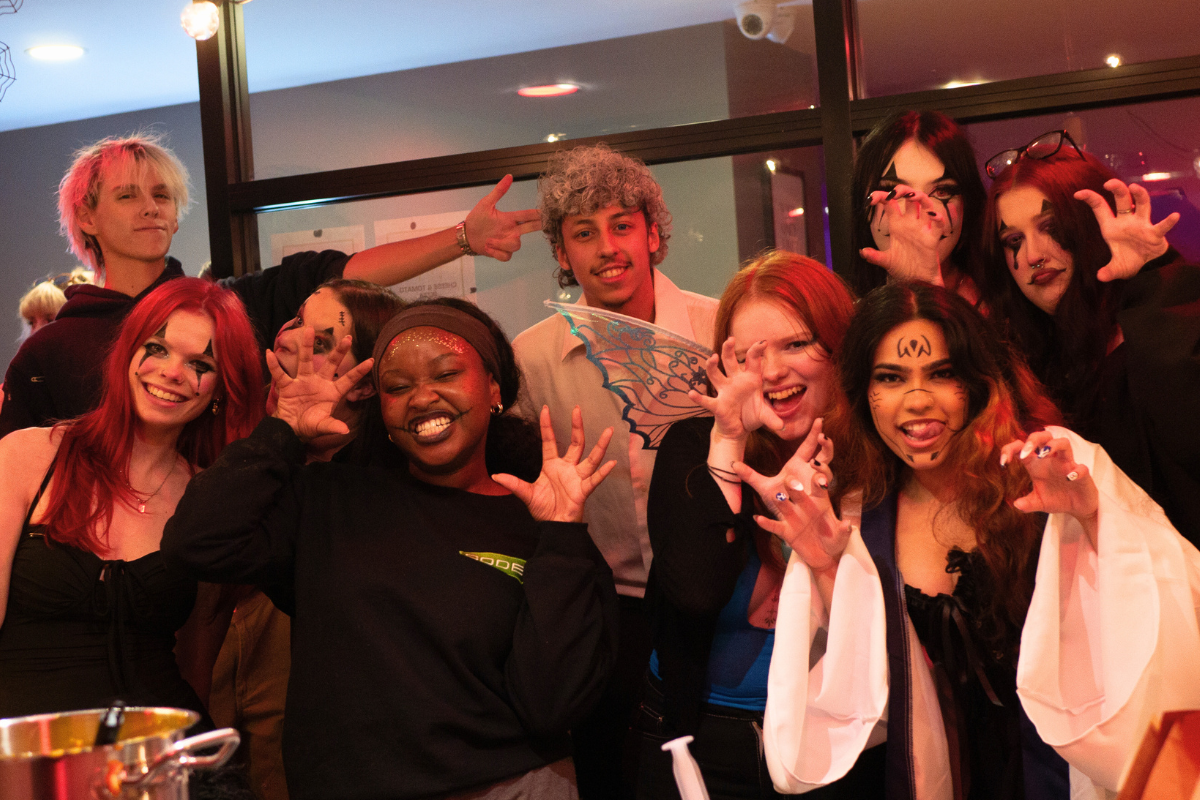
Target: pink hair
x: 91, y: 467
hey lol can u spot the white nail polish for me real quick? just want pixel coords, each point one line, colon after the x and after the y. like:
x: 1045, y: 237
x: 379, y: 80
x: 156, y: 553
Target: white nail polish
x: 1004, y: 459
x: 1026, y: 450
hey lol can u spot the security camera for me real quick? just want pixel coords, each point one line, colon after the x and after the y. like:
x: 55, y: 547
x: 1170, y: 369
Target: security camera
x: 755, y: 17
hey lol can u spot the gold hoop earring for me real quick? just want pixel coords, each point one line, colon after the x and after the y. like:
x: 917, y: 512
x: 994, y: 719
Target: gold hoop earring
x: 498, y: 409
x: 216, y: 405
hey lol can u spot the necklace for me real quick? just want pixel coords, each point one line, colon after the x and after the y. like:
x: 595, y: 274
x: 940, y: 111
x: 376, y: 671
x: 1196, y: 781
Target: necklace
x: 142, y: 502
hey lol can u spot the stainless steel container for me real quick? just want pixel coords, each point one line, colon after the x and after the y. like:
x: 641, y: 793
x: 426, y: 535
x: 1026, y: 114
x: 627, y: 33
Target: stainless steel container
x: 51, y: 756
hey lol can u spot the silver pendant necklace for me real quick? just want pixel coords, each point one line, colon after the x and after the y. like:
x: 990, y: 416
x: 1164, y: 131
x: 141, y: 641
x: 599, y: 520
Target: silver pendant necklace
x: 141, y: 507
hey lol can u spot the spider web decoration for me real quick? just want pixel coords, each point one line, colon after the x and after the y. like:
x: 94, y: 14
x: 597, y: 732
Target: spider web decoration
x: 649, y: 368
x: 7, y: 74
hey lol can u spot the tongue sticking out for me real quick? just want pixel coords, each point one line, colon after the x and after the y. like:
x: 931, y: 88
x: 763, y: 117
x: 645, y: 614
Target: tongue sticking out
x: 923, y: 431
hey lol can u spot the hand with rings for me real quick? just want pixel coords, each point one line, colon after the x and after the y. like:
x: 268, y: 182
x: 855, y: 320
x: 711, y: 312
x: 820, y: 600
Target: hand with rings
x: 1060, y: 485
x: 1130, y: 236
x: 914, y: 224
x: 799, y: 498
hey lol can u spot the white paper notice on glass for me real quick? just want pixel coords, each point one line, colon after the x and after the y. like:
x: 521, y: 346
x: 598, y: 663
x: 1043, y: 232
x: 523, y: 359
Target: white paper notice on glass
x: 348, y: 239
x: 453, y: 279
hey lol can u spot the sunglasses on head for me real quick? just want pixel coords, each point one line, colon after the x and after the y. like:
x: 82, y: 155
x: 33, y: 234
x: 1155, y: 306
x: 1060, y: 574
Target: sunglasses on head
x: 1043, y: 146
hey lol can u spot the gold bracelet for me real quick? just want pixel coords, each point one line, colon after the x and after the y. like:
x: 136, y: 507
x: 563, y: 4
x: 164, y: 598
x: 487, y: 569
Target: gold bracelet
x: 460, y: 233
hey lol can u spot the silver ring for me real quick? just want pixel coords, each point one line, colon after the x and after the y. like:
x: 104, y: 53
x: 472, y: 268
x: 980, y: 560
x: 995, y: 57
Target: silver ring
x: 781, y: 497
x: 1128, y: 210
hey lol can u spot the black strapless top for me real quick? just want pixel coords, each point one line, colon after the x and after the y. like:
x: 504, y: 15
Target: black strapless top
x: 977, y: 686
x: 80, y: 631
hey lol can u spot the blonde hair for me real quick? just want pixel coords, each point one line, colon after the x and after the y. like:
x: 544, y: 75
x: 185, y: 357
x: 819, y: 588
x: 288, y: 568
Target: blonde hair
x: 80, y: 187
x: 43, y: 300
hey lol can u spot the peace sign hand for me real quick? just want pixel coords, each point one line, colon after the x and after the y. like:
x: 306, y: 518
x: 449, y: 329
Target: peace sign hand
x: 799, y: 496
x: 496, y: 233
x: 1132, y: 239
x: 559, y: 492
x: 740, y: 405
x: 306, y: 401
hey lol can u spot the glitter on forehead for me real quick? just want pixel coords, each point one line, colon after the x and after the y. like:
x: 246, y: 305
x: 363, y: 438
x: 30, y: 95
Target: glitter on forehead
x: 436, y: 335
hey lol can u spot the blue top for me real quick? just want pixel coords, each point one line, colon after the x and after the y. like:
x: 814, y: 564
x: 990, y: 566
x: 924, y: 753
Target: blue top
x: 741, y: 652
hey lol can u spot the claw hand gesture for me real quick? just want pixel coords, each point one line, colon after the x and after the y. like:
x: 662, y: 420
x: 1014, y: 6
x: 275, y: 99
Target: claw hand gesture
x: 916, y: 223
x: 565, y: 483
x: 496, y: 233
x: 799, y: 497
x: 306, y: 401
x: 1128, y: 233
x: 1059, y: 484
x: 740, y: 406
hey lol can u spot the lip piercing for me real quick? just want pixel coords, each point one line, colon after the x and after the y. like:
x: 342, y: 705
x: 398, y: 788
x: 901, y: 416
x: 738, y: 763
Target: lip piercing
x: 781, y: 497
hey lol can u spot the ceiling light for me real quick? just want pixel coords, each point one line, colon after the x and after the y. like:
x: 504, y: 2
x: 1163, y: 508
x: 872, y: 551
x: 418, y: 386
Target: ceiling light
x: 960, y: 84
x: 771, y: 164
x: 548, y: 90
x: 55, y: 52
x: 555, y: 137
x: 796, y: 212
x: 1161, y: 176
x: 1113, y: 61
x: 200, y: 19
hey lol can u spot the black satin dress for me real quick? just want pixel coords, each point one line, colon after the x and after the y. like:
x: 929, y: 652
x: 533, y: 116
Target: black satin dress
x: 80, y: 631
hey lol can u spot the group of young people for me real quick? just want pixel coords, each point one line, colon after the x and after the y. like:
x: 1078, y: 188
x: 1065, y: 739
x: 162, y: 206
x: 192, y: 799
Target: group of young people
x: 873, y: 564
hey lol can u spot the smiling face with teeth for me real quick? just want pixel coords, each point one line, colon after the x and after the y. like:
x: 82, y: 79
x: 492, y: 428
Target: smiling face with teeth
x: 917, y: 401
x: 798, y: 373
x: 173, y: 375
x: 436, y: 397
x: 609, y: 253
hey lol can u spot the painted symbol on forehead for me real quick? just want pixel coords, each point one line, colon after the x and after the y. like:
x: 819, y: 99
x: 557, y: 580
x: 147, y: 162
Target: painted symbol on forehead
x: 909, y: 347
x: 208, y: 349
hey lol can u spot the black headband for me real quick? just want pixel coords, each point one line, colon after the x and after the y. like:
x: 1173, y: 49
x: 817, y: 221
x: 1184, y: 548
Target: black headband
x: 449, y: 319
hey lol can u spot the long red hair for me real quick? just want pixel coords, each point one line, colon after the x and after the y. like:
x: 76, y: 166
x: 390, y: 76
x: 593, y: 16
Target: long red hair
x: 91, y: 467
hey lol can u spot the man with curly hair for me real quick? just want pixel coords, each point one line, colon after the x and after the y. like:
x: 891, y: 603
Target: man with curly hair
x: 604, y: 216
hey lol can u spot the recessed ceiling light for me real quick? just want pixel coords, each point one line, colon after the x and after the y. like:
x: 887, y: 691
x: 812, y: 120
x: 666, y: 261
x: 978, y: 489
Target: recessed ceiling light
x: 555, y: 137
x: 771, y: 164
x: 960, y: 84
x: 1113, y: 61
x: 548, y: 90
x: 55, y: 52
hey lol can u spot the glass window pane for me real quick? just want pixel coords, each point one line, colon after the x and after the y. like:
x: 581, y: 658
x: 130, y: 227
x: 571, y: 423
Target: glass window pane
x: 1153, y: 144
x: 717, y: 207
x: 452, y: 88
x: 914, y: 45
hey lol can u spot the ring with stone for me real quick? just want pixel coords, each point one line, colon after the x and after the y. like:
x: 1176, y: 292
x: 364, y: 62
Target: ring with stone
x: 781, y: 497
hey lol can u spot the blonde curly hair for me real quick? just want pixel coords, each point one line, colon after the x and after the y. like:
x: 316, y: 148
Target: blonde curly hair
x: 588, y: 178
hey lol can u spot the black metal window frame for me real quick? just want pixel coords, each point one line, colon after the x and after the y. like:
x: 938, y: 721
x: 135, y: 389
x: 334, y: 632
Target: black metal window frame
x: 234, y: 198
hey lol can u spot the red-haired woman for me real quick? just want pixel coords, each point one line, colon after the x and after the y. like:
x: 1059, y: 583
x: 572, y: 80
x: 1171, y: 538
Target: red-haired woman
x: 1115, y: 347
x: 714, y: 584
x: 1011, y: 589
x: 88, y: 611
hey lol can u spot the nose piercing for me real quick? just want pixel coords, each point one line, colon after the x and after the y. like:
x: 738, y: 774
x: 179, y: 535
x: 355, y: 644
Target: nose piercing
x: 1041, y: 262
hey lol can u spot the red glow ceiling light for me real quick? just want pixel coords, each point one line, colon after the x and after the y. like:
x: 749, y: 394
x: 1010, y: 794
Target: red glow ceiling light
x: 548, y: 90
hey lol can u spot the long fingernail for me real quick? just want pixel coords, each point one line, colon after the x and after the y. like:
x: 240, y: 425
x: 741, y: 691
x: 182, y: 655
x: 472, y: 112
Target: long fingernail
x: 1043, y: 451
x: 796, y: 486
x: 1072, y: 475
x: 1004, y: 459
x: 1026, y: 450
x: 891, y: 195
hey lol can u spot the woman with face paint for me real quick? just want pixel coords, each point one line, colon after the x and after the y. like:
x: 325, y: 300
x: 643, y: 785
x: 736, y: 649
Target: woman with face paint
x: 88, y: 610
x: 988, y: 606
x: 1116, y: 347
x: 920, y: 205
x: 714, y: 583
x: 450, y: 621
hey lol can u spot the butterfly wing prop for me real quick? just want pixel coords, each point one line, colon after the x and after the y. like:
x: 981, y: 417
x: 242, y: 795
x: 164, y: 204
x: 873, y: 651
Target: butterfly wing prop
x: 650, y: 368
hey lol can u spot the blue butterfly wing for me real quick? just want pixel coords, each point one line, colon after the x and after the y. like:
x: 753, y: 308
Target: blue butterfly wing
x: 649, y: 368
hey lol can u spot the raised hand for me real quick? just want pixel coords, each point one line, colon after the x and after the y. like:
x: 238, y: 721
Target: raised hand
x: 496, y: 233
x: 799, y: 497
x: 740, y: 405
x: 1059, y: 484
x: 306, y: 402
x: 1128, y: 233
x: 565, y: 483
x: 915, y: 225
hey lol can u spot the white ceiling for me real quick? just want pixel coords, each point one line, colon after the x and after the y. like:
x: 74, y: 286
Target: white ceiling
x: 137, y: 55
